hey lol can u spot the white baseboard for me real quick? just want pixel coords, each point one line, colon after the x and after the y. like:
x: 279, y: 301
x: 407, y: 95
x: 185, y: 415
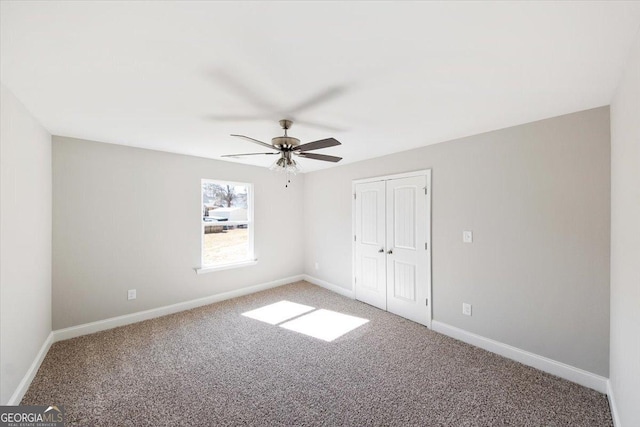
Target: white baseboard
x: 612, y: 406
x: 545, y: 364
x: 114, y: 322
x: 330, y: 286
x: 31, y: 372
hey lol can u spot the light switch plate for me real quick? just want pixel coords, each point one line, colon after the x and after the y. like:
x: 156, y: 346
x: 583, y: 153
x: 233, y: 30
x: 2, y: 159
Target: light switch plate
x: 467, y: 236
x: 131, y: 294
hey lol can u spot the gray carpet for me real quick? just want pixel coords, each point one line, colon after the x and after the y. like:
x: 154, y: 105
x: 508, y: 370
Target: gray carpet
x: 212, y: 366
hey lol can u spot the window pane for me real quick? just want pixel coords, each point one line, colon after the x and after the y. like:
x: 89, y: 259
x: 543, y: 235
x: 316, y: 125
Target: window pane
x: 225, y: 244
x: 226, y: 226
x: 224, y: 200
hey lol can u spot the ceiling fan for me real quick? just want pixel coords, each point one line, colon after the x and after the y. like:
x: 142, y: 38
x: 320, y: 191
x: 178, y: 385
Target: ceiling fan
x: 288, y: 146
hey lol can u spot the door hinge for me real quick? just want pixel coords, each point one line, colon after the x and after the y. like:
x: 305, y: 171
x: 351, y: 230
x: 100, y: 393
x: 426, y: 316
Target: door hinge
x: 354, y: 196
x: 355, y: 280
x: 427, y: 302
x: 426, y: 248
x: 354, y: 237
x: 425, y: 190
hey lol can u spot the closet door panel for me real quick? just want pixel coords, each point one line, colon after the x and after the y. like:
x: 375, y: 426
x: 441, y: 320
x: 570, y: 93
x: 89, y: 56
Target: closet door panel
x: 370, y: 235
x: 407, y: 270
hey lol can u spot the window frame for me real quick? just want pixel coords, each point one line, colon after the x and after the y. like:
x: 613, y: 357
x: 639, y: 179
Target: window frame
x: 251, y: 259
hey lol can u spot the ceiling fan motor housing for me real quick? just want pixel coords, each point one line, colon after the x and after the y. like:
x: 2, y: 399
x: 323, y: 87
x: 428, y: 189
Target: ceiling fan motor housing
x: 285, y: 142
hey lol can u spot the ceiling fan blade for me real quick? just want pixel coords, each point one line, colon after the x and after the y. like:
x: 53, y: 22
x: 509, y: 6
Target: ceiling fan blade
x: 318, y: 125
x: 319, y: 98
x: 323, y: 157
x: 264, y: 144
x: 231, y: 82
x: 234, y: 118
x: 246, y: 154
x: 316, y: 145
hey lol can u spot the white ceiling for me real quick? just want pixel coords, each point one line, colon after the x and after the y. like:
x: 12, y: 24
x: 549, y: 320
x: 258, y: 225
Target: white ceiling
x: 391, y: 76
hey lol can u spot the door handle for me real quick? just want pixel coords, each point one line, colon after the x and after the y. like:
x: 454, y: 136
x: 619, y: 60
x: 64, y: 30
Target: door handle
x: 380, y: 250
x: 390, y: 251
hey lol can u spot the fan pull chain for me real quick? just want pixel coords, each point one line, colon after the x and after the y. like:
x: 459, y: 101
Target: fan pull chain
x: 287, y: 179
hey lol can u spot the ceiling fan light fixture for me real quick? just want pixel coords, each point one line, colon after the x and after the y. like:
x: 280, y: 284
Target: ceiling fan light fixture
x: 286, y: 164
x: 293, y: 167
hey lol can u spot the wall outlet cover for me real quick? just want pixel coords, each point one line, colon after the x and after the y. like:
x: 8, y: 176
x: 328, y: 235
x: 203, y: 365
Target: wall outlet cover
x: 131, y: 294
x: 466, y: 309
x: 467, y: 236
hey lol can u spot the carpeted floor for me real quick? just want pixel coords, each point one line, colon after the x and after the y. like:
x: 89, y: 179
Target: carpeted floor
x: 213, y: 366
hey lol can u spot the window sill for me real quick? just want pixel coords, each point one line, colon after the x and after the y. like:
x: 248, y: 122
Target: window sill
x: 247, y: 263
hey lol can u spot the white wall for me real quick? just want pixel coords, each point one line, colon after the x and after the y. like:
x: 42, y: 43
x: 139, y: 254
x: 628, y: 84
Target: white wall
x: 625, y: 244
x: 537, y: 199
x: 25, y: 241
x: 129, y: 218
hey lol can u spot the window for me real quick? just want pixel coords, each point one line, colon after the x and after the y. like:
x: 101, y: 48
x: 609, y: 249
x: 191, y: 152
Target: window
x: 227, y: 224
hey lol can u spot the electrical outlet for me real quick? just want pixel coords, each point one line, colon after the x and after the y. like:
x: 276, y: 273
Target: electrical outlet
x: 131, y: 294
x: 466, y: 309
x: 317, y: 266
x: 467, y: 236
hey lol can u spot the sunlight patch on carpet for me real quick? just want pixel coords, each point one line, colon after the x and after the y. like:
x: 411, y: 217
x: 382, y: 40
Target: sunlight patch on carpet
x: 326, y: 325
x: 278, y: 312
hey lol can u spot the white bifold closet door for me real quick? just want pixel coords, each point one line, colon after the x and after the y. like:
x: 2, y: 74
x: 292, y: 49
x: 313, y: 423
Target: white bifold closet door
x: 392, y: 269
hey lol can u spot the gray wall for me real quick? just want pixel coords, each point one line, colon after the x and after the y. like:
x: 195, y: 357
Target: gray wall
x: 25, y: 241
x: 128, y: 218
x: 537, y: 199
x: 625, y: 243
